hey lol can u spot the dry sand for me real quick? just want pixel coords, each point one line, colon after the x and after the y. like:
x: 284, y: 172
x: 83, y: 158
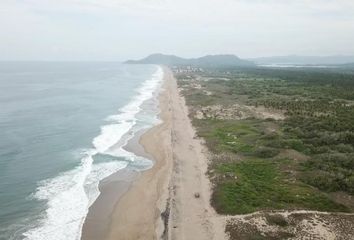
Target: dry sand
x: 190, y: 217
x: 170, y: 200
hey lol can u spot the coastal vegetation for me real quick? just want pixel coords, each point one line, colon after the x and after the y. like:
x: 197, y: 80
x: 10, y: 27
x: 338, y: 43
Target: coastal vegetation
x: 278, y: 138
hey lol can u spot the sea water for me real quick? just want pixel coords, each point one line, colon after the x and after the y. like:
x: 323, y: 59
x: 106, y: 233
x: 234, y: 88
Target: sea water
x: 63, y: 127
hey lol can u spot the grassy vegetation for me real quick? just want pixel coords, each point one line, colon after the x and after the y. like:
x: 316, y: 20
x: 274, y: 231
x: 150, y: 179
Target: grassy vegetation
x: 235, y: 136
x: 260, y: 185
x: 293, y: 163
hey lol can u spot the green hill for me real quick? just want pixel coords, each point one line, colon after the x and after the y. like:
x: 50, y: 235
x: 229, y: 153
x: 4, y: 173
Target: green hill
x: 206, y: 61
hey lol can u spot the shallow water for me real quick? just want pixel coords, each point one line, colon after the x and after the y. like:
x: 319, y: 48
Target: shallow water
x: 63, y: 126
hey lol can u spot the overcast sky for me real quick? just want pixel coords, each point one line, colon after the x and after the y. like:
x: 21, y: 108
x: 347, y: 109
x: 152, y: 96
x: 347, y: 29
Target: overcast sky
x: 121, y: 29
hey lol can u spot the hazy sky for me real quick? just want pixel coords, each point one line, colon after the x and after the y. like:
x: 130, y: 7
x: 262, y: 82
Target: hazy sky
x: 120, y: 29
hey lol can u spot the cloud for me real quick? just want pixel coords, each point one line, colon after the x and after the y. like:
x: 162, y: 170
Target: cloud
x: 110, y: 29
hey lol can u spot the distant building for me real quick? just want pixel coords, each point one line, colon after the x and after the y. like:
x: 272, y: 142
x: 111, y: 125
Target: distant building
x: 186, y: 69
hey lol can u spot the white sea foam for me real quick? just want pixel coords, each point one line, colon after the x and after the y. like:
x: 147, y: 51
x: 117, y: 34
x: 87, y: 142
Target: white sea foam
x: 70, y: 194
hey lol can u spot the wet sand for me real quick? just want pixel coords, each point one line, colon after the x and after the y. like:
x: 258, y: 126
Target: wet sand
x: 137, y: 214
x: 160, y: 203
x: 99, y: 215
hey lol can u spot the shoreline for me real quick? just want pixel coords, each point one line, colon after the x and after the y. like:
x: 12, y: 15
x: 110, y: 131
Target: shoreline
x: 112, y: 189
x: 100, y: 219
x: 137, y: 213
x: 171, y: 200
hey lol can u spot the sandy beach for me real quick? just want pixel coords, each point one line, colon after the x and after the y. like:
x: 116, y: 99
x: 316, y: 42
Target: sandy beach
x: 137, y: 214
x: 168, y: 201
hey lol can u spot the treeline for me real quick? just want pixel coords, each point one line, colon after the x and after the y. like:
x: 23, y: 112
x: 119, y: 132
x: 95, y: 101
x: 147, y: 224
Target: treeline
x: 308, y: 76
x: 320, y: 119
x: 319, y: 83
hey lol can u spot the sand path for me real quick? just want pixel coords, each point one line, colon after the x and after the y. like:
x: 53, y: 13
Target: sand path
x: 191, y: 216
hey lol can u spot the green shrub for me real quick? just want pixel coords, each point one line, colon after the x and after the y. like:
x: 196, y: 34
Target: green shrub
x: 259, y: 185
x: 344, y: 148
x: 295, y: 144
x: 266, y: 152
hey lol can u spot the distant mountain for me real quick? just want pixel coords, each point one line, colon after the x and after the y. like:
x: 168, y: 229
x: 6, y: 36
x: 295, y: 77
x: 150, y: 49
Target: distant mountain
x: 158, y: 59
x: 347, y: 65
x: 221, y: 60
x: 206, y: 61
x: 304, y: 60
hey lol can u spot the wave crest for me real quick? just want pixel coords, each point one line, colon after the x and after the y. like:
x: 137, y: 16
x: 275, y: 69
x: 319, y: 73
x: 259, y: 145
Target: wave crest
x: 70, y: 194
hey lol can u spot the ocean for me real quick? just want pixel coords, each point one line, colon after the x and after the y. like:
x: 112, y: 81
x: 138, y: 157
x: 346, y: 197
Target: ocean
x: 63, y: 126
